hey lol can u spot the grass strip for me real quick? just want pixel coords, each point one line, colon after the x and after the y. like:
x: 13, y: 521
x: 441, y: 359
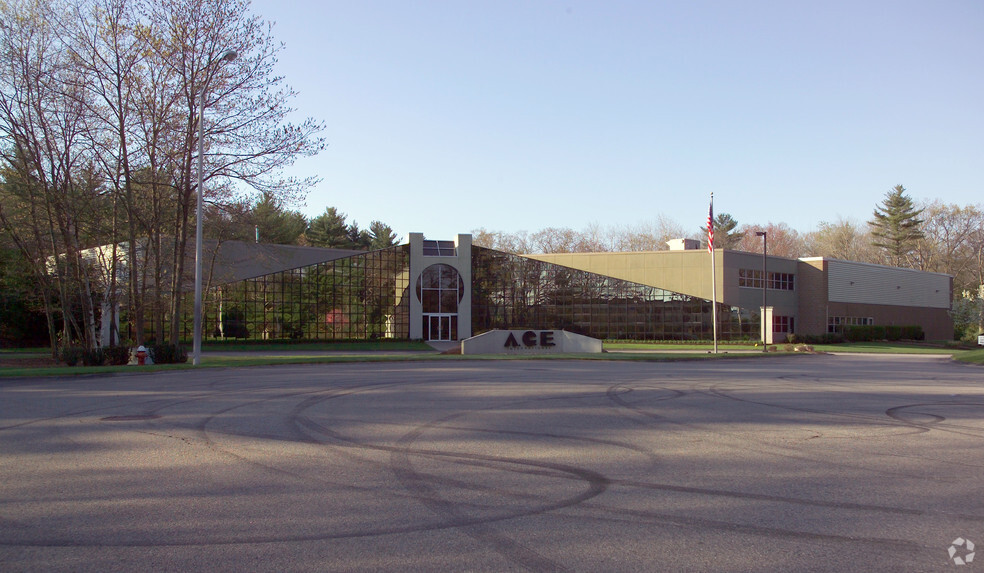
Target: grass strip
x: 859, y: 347
x: 250, y: 360
x: 971, y: 356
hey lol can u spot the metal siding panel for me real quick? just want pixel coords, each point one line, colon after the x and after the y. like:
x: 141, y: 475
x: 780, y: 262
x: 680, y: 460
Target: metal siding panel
x: 872, y: 284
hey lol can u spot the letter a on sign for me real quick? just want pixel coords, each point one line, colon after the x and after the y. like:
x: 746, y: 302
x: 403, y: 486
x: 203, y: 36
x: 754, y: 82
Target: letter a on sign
x: 511, y: 342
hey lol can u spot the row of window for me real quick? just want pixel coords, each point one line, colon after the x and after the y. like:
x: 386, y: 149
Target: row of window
x: 784, y: 324
x: 777, y: 281
x: 836, y: 323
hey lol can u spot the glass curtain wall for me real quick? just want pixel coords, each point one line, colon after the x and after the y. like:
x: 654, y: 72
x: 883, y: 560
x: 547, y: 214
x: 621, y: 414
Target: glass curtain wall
x: 359, y: 297
x: 512, y: 292
x: 367, y: 296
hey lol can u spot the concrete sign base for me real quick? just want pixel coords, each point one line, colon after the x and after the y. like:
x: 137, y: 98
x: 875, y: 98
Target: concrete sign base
x: 530, y: 342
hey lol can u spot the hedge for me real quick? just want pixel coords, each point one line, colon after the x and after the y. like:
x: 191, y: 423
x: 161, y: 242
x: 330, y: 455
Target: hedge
x: 890, y: 333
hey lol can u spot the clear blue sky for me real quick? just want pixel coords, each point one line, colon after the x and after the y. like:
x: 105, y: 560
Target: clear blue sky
x: 443, y: 117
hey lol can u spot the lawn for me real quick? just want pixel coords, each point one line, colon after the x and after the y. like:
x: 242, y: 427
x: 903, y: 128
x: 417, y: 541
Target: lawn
x: 971, y: 356
x: 38, y: 362
x: 859, y: 347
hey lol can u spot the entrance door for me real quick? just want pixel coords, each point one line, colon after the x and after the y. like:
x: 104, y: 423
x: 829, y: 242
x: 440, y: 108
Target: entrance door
x: 439, y: 327
x: 439, y: 290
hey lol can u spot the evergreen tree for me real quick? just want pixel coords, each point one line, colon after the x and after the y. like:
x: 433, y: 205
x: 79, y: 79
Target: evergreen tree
x: 382, y: 236
x: 358, y: 238
x: 725, y: 235
x: 329, y: 230
x: 896, y: 227
x: 275, y: 224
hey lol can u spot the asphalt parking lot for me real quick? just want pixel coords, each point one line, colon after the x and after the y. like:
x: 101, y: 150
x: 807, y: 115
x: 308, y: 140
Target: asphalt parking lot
x: 802, y: 463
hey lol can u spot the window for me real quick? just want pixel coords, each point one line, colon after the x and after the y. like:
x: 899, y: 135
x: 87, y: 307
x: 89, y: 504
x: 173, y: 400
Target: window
x: 440, y: 289
x: 782, y: 324
x: 781, y: 281
x: 836, y: 323
x: 749, y: 278
x: 439, y: 249
x: 777, y: 281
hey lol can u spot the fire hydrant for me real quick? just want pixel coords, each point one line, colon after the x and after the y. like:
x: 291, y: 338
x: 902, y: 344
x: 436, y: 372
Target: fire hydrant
x: 141, y: 355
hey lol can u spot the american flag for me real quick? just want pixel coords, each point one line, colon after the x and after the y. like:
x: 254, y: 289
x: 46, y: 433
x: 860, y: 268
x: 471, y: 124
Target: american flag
x: 710, y: 227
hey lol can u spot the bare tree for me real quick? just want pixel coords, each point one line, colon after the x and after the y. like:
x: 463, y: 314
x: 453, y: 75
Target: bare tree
x: 564, y: 240
x: 647, y: 236
x: 948, y: 244
x: 782, y: 240
x: 518, y: 243
x: 43, y: 129
x: 843, y: 239
x: 108, y: 53
x: 246, y: 135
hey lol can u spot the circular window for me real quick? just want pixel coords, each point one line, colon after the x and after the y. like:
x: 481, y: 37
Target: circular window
x: 439, y: 289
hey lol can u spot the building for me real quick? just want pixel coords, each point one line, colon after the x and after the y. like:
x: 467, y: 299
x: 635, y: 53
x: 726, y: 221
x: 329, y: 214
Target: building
x: 451, y: 290
x: 808, y: 296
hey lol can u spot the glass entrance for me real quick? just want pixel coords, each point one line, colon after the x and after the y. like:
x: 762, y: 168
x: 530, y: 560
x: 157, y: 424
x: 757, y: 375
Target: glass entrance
x: 439, y: 327
x: 439, y: 290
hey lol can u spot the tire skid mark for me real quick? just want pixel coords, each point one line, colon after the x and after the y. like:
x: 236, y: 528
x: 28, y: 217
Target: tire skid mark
x: 529, y: 558
x: 746, y: 496
x: 123, y: 402
x: 403, y: 469
x: 938, y: 423
x: 749, y: 529
x: 101, y: 409
x: 420, y: 485
x: 869, y: 419
x: 767, y: 448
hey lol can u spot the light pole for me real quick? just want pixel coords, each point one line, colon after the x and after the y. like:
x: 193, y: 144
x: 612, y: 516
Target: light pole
x: 765, y: 285
x: 227, y: 56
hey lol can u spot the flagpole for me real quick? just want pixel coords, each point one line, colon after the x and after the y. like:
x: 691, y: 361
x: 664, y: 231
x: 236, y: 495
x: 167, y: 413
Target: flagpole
x: 710, y: 249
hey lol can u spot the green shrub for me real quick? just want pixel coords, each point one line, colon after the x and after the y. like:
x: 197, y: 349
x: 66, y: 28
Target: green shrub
x: 168, y: 354
x: 71, y: 355
x: 234, y: 323
x: 877, y: 332
x: 116, y: 355
x: 828, y: 338
x: 93, y: 357
x: 864, y: 333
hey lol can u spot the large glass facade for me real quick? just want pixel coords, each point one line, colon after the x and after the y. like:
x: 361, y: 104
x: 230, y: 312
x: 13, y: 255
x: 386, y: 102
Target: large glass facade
x: 359, y: 297
x: 367, y: 296
x: 510, y: 292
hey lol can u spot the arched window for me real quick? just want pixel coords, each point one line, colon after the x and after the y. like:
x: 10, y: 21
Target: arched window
x: 439, y: 289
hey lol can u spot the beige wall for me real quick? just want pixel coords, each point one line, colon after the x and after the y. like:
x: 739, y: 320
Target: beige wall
x: 688, y: 272
x: 916, y: 297
x: 685, y: 272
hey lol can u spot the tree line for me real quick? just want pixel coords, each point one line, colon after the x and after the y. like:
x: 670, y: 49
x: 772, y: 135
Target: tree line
x: 930, y: 236
x: 99, y: 136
